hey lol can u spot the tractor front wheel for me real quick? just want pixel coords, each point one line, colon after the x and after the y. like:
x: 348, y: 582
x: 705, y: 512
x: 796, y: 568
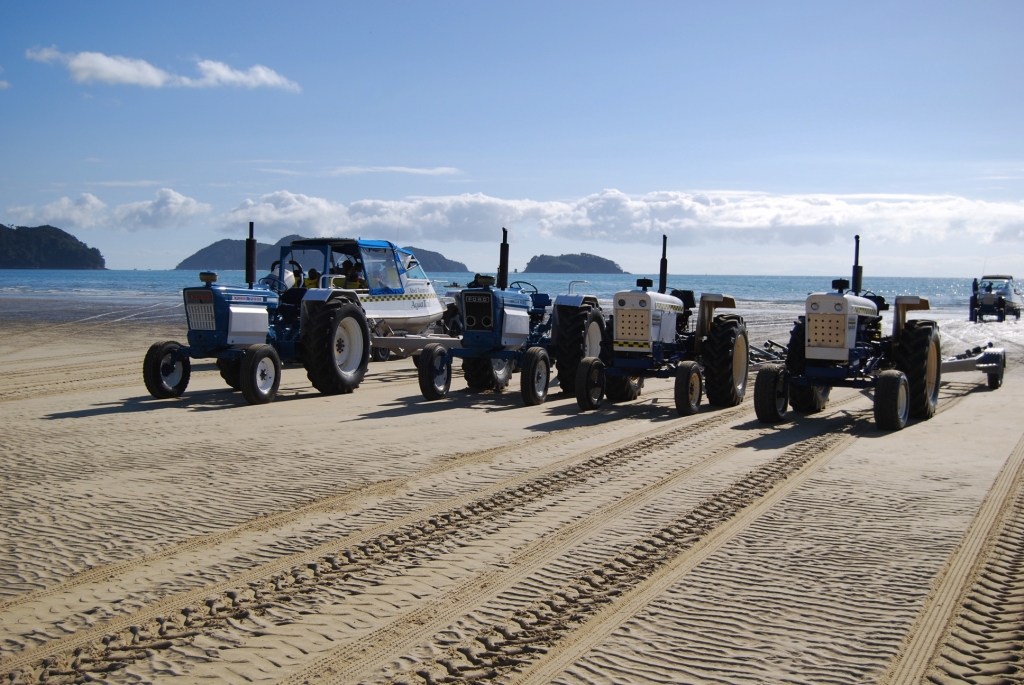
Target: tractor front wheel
x: 770, y: 397
x: 260, y: 374
x: 536, y: 376
x: 688, y: 388
x: 918, y: 355
x: 892, y: 400
x: 726, y: 361
x: 487, y: 374
x: 590, y: 383
x: 434, y: 369
x: 229, y: 369
x: 336, y: 347
x: 165, y: 373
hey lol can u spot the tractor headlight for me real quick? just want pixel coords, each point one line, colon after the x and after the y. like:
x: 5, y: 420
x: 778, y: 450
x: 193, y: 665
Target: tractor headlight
x: 643, y: 303
x: 622, y: 303
x: 814, y: 306
x: 839, y: 306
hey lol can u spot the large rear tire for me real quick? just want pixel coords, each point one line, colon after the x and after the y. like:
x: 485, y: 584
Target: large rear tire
x: 536, y: 376
x: 918, y: 355
x: 164, y: 376
x: 336, y: 346
x: 434, y: 370
x: 892, y: 400
x: 577, y: 335
x: 229, y: 371
x: 590, y: 383
x: 260, y: 374
x: 770, y: 398
x: 487, y: 374
x: 726, y: 362
x: 688, y: 389
x: 807, y: 399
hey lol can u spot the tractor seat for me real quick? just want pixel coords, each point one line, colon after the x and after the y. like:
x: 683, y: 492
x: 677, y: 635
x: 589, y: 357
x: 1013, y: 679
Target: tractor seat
x: 291, y: 303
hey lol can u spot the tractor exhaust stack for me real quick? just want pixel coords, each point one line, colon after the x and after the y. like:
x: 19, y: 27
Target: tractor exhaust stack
x: 858, y: 270
x: 250, y: 258
x: 663, y: 274
x: 503, y: 261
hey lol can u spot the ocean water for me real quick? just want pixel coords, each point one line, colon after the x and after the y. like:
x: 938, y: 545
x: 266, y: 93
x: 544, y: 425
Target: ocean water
x: 750, y: 291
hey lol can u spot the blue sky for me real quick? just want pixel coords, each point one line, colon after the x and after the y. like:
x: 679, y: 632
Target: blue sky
x: 760, y: 137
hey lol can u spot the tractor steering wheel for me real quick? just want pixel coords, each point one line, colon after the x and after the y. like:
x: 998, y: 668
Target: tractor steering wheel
x: 524, y: 286
x: 299, y: 273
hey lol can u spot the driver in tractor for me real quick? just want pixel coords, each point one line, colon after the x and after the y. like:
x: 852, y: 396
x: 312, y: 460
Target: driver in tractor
x: 353, y: 276
x: 312, y: 279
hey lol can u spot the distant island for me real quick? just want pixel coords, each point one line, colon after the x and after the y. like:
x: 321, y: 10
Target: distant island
x: 581, y: 263
x: 45, y: 247
x: 229, y: 255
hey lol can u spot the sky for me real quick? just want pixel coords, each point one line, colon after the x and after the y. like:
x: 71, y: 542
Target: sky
x: 759, y: 137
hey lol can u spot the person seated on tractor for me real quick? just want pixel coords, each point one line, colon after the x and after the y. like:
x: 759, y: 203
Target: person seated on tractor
x: 312, y: 279
x: 354, y: 277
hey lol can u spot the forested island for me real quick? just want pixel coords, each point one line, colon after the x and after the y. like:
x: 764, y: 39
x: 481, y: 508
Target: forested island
x: 45, y: 247
x: 229, y: 254
x: 581, y: 263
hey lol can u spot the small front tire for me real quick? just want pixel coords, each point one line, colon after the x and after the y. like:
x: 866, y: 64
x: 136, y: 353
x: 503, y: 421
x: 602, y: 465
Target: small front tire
x: 164, y: 371
x: 434, y: 369
x: 770, y: 396
x: 892, y: 400
x: 260, y: 374
x: 688, y: 389
x: 536, y: 376
x: 590, y: 383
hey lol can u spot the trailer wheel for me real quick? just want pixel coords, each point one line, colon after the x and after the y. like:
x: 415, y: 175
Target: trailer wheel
x: 434, y: 370
x: 995, y: 379
x: 918, y: 355
x: 892, y: 400
x: 260, y: 374
x: 535, y: 376
x: 164, y: 376
x: 229, y: 371
x: 577, y: 335
x: 688, y: 388
x: 487, y: 374
x: 726, y: 361
x: 336, y: 347
x: 770, y: 397
x: 380, y: 354
x: 590, y: 381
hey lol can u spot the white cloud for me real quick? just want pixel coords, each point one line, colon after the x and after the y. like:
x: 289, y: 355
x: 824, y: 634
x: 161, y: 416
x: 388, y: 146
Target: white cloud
x: 420, y: 171
x: 4, y: 85
x: 96, y: 67
x: 85, y: 212
x: 170, y: 208
x: 689, y: 218
x: 126, y: 184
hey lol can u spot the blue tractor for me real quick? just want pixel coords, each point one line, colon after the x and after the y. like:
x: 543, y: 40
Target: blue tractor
x: 506, y: 326
x: 316, y: 307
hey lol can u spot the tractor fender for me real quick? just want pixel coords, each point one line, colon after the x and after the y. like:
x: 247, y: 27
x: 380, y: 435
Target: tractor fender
x: 316, y: 296
x: 576, y: 301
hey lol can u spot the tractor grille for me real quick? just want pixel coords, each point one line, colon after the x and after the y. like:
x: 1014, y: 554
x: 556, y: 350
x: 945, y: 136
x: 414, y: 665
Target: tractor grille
x: 479, y: 312
x: 826, y: 330
x: 633, y: 324
x: 200, y: 317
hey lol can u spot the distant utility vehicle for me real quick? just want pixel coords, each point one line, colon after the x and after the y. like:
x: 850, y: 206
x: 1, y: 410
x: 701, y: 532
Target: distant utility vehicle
x: 649, y: 335
x: 317, y: 306
x: 996, y: 296
x: 503, y: 326
x: 839, y: 342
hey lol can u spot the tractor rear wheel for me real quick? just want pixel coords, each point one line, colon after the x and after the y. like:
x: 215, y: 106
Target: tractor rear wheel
x: 229, y: 369
x: 770, y: 398
x: 336, y: 347
x: 892, y: 400
x: 577, y: 334
x: 434, y: 370
x: 725, y: 360
x: 487, y: 374
x: 688, y: 389
x: 918, y: 355
x: 536, y: 376
x: 260, y: 374
x: 590, y: 382
x: 164, y: 375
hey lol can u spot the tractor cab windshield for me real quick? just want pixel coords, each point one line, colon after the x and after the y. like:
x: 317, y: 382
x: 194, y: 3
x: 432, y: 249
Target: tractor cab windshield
x: 995, y: 286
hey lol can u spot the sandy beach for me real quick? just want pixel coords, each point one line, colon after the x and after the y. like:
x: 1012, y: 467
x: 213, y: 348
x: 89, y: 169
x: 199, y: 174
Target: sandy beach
x: 378, y: 538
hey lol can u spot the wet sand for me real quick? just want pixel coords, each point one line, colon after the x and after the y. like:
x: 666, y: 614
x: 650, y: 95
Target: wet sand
x: 375, y: 537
